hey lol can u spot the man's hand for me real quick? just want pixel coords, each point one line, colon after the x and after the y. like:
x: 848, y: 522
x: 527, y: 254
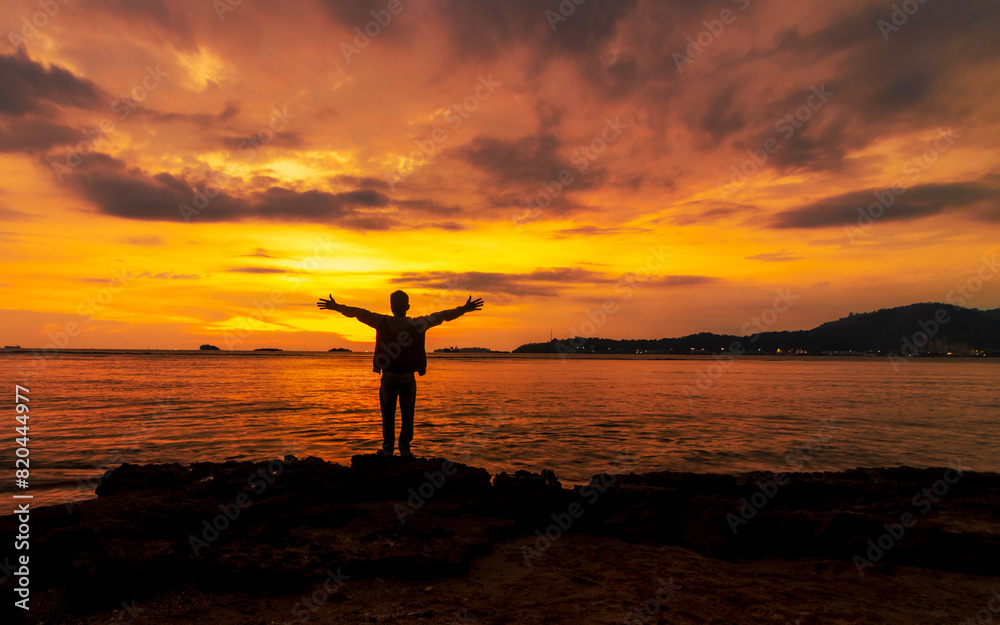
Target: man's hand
x: 472, y: 306
x: 328, y: 305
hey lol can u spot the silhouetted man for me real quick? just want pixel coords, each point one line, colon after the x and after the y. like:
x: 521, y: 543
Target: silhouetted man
x: 399, y: 353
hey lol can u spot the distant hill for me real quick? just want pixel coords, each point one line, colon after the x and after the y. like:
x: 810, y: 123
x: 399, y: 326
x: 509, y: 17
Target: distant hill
x: 927, y: 328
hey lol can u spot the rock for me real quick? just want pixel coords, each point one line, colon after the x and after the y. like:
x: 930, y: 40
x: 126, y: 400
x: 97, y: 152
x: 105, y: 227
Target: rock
x: 238, y: 526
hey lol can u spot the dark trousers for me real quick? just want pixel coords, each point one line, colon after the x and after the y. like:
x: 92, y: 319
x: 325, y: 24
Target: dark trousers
x: 401, y: 386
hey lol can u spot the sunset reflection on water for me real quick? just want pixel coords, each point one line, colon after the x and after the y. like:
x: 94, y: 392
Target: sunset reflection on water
x: 91, y: 412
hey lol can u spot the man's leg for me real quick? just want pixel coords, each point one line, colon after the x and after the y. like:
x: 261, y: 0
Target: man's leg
x: 387, y: 393
x: 407, y: 404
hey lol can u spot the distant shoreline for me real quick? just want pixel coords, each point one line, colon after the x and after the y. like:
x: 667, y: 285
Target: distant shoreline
x: 705, y: 355
x: 491, y: 355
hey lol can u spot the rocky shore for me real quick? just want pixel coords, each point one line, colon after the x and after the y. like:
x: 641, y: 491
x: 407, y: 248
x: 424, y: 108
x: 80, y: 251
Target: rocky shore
x: 431, y: 541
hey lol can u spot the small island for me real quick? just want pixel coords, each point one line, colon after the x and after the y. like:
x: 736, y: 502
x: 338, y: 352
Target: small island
x: 268, y: 349
x: 207, y: 347
x: 467, y: 350
x: 339, y: 349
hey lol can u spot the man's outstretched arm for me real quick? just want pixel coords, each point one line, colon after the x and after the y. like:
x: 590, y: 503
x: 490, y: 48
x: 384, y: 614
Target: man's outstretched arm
x: 437, y: 318
x: 366, y: 317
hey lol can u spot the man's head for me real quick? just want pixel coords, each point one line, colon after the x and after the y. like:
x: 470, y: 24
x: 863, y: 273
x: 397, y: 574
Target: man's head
x: 399, y: 302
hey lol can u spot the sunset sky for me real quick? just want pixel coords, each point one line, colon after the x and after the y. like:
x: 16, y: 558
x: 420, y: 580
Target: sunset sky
x: 188, y: 172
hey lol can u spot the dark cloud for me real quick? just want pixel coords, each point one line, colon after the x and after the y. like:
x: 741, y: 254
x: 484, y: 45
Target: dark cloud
x: 590, y: 231
x: 9, y: 214
x: 357, y: 13
x: 130, y: 193
x: 230, y: 112
x: 429, y: 206
x: 914, y: 203
x: 176, y: 276
x: 700, y: 212
x: 360, y: 182
x: 775, y: 257
x: 797, y: 131
x: 520, y: 172
x: 173, y: 27
x: 815, y: 147
x: 260, y: 253
x: 30, y: 87
x: 723, y: 117
x: 487, y: 28
x: 885, y: 86
x: 678, y: 280
x: 549, y: 116
x: 524, y: 161
x: 258, y: 270
x: 147, y: 240
x: 35, y: 136
x: 317, y: 206
x: 451, y: 226
x: 541, y: 282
